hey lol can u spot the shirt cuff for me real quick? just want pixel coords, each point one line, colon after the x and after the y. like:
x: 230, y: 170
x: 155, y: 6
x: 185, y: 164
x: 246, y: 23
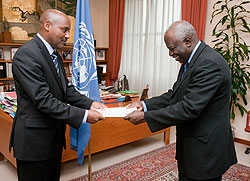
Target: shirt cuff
x: 85, y: 117
x: 144, y: 106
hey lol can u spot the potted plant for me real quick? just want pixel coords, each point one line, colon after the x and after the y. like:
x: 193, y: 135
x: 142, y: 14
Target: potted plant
x: 229, y: 31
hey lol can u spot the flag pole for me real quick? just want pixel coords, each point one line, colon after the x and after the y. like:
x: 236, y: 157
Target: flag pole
x: 90, y: 164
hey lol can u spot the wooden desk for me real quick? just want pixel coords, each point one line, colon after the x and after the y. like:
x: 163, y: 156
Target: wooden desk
x: 106, y: 134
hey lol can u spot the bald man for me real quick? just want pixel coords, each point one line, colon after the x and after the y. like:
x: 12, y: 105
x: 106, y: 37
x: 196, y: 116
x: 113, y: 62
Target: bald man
x: 198, y: 104
x: 46, y: 102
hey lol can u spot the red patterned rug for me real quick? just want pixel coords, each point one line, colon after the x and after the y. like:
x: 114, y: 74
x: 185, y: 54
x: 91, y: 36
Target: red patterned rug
x: 158, y: 164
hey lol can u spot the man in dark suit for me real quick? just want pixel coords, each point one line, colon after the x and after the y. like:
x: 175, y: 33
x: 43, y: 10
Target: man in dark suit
x: 46, y: 102
x: 198, y: 104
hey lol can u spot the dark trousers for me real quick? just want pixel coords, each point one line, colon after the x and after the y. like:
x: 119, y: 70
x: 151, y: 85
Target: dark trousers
x: 183, y: 178
x: 48, y: 170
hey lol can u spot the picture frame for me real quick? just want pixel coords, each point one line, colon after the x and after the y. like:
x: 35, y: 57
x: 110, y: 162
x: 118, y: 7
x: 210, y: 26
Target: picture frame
x: 104, y: 68
x: 66, y: 67
x: 1, y: 54
x: 13, y: 52
x: 100, y: 54
x: 66, y: 55
x: 70, y: 68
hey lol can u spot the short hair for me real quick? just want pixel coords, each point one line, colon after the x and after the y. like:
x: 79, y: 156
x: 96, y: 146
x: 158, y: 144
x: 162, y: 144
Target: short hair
x: 182, y: 29
x: 51, y: 15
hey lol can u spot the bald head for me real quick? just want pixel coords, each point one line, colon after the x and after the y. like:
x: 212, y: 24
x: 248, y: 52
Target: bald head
x: 51, y: 15
x: 180, y: 38
x: 182, y: 29
x: 54, y: 27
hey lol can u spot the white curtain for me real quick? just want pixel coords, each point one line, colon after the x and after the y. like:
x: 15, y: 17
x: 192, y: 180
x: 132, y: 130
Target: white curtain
x: 145, y: 58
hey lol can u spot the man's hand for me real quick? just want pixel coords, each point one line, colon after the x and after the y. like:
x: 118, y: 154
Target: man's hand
x: 136, y: 117
x: 97, y: 105
x: 137, y: 104
x: 94, y: 116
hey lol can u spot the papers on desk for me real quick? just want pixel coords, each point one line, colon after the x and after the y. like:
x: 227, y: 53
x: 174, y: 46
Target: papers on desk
x: 8, y: 103
x: 112, y: 98
x: 116, y: 111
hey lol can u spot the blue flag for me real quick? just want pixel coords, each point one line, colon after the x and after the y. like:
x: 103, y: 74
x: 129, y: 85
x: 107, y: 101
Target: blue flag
x: 84, y: 74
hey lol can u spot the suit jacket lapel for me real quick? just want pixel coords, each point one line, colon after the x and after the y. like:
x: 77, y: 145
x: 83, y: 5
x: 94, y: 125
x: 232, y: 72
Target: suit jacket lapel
x: 48, y: 59
x: 191, y: 64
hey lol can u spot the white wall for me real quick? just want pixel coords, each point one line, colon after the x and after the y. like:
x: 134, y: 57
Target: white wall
x: 100, y: 21
x: 240, y: 122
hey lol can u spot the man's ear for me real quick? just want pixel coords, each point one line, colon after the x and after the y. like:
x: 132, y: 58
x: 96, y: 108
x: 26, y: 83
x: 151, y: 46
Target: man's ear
x: 188, y: 42
x: 47, y: 25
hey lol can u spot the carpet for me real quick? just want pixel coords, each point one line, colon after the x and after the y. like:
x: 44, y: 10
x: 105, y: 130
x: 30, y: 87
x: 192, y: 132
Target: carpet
x: 159, y: 164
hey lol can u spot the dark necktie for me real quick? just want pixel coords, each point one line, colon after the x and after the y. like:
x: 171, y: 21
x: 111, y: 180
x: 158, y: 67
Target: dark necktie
x: 55, y: 61
x: 184, y: 69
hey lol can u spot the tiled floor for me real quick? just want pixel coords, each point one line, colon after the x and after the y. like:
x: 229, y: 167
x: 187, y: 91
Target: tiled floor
x: 72, y: 170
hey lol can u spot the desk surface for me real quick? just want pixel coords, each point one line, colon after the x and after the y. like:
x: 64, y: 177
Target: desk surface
x: 113, y: 132
x: 105, y: 134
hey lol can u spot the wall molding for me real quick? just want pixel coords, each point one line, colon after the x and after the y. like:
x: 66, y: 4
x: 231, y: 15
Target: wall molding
x: 242, y: 141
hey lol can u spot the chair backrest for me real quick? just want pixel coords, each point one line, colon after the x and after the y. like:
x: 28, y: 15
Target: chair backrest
x: 124, y: 83
x: 144, y: 94
x: 99, y: 73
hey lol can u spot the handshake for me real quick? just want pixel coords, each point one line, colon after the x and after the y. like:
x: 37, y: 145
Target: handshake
x: 135, y: 117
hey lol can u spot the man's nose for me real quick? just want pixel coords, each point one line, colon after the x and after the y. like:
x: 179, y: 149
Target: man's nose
x: 171, y: 53
x: 67, y: 35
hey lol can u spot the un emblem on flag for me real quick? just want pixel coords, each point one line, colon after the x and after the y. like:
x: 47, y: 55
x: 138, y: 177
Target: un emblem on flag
x: 84, y: 66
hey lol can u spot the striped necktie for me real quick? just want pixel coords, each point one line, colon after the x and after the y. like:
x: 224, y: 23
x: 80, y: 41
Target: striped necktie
x: 55, y: 61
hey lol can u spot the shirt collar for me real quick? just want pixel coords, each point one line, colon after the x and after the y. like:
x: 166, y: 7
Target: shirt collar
x: 48, y: 46
x: 193, y: 52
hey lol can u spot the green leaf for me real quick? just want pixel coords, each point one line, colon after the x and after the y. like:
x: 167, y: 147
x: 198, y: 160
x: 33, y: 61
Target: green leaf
x: 223, y: 7
x: 68, y: 12
x: 216, y: 40
x: 224, y: 19
x: 52, y: 4
x: 244, y: 2
x: 240, y: 53
x: 247, y: 79
x: 236, y: 37
x: 218, y: 43
x: 215, y: 13
x: 232, y: 17
x: 233, y: 114
x: 69, y: 6
x: 214, y: 32
x: 243, y: 88
x: 245, y: 25
x: 219, y: 49
x: 238, y: 70
x: 218, y: 2
x: 244, y: 48
x: 218, y: 34
x: 241, y: 109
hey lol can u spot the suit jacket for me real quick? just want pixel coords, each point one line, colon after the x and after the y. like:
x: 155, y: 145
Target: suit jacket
x: 46, y: 102
x: 198, y: 104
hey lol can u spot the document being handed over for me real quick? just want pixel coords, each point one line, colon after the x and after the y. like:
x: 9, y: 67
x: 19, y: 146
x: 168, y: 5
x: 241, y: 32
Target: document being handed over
x: 116, y: 111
